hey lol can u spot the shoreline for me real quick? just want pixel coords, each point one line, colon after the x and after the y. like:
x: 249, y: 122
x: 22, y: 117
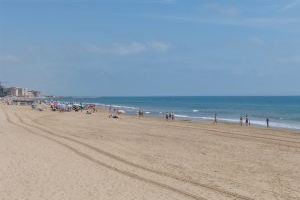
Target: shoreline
x: 74, y: 155
x: 278, y: 125
x: 131, y: 111
x: 276, y: 122
x: 192, y: 113
x: 205, y: 121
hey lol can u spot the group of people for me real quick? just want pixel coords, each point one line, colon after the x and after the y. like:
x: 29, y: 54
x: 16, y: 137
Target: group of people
x: 114, y: 112
x: 141, y: 113
x: 68, y: 107
x: 170, y: 116
x: 247, y: 121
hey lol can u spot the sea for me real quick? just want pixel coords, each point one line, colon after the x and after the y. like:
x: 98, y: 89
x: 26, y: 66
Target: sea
x: 282, y: 111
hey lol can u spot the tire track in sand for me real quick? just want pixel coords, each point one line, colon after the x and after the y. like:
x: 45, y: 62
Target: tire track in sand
x: 122, y: 160
x: 102, y: 164
x: 236, y: 135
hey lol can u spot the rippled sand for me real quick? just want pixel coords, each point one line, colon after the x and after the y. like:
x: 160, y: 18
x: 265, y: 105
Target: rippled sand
x: 51, y: 155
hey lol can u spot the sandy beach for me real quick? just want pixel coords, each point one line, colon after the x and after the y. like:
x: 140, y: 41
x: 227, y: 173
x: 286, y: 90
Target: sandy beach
x: 52, y: 155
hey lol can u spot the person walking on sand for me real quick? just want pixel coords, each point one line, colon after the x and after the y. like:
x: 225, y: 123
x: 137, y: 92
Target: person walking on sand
x: 241, y: 121
x: 267, y: 120
x: 215, y: 121
x: 173, y: 116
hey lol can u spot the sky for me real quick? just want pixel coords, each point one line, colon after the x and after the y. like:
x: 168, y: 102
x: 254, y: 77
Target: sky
x: 151, y: 47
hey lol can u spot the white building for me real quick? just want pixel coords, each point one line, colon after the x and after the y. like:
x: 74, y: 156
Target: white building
x: 17, y: 92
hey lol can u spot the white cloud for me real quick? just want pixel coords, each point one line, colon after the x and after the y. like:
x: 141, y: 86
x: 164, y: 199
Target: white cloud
x: 291, y: 5
x: 159, y: 46
x: 9, y: 59
x: 128, y: 48
x: 295, y: 59
x: 167, y: 1
x: 223, y: 10
x: 257, y: 41
x: 264, y: 22
x: 158, y: 1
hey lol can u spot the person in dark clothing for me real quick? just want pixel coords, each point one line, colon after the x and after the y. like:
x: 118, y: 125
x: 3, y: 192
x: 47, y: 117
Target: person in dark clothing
x: 247, y: 120
x: 241, y: 121
x: 268, y: 121
x: 173, y: 116
x: 215, y: 121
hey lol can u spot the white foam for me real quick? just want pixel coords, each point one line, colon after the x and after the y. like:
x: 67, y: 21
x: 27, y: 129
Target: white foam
x: 99, y: 104
x: 287, y: 125
x: 182, y: 116
x: 277, y: 124
x: 253, y: 122
x: 126, y: 107
x: 186, y: 116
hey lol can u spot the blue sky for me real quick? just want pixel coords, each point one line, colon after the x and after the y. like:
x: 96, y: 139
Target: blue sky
x: 151, y: 47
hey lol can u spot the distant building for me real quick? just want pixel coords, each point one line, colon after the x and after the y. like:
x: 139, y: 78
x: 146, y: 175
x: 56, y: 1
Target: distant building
x: 29, y: 94
x: 22, y: 92
x: 12, y: 91
x: 32, y: 93
x: 36, y: 93
x: 2, y: 91
x: 16, y: 91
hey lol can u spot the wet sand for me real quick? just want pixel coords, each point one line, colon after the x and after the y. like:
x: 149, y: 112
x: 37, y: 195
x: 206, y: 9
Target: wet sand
x: 51, y: 155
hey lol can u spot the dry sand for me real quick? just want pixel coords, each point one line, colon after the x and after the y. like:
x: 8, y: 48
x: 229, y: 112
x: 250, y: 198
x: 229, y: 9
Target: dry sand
x: 51, y: 155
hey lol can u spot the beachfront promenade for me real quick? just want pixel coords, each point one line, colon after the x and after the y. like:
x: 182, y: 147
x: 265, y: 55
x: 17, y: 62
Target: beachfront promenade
x: 72, y: 155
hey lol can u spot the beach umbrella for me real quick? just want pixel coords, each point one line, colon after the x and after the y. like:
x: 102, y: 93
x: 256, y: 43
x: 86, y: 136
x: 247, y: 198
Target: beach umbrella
x: 121, y: 112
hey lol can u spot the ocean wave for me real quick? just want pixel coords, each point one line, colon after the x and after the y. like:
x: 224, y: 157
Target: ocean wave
x: 97, y: 104
x: 182, y: 116
x: 125, y: 107
x: 114, y: 106
x: 193, y: 117
x: 253, y: 122
x: 277, y: 124
x: 203, y: 109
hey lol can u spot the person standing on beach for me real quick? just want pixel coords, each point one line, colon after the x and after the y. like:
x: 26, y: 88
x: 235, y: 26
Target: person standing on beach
x: 247, y: 120
x: 167, y: 116
x: 215, y: 121
x: 267, y: 120
x: 241, y: 121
